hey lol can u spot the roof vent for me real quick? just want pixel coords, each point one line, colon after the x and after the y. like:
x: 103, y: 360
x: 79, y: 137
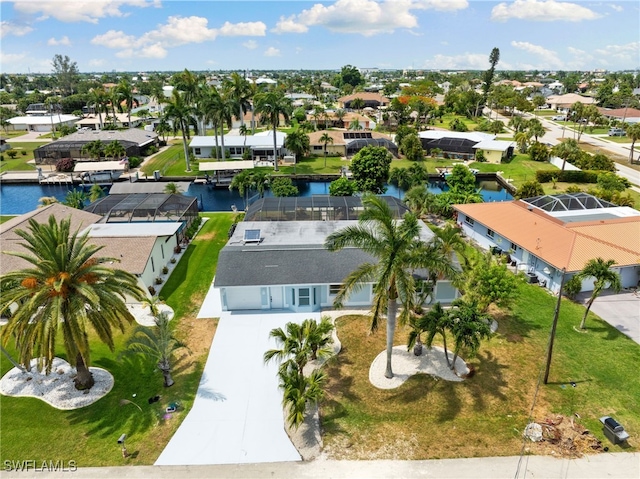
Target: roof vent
x: 252, y: 236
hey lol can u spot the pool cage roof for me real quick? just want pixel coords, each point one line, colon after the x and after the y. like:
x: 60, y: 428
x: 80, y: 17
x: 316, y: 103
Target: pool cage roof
x: 568, y: 202
x: 315, y: 208
x: 67, y: 146
x: 355, y: 145
x: 150, y: 207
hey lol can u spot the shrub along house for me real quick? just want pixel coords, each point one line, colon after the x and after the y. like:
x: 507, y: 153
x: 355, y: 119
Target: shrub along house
x: 276, y: 259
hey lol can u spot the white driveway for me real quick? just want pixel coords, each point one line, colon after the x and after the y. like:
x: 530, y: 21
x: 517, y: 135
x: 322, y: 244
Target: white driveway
x: 237, y: 414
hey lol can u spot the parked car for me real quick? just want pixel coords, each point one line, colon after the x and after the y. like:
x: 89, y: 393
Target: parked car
x: 616, y: 132
x: 559, y: 118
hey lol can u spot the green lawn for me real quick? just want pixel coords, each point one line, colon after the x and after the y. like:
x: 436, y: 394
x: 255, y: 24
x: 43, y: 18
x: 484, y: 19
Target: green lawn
x: 4, y: 218
x: 485, y: 415
x: 20, y: 162
x: 31, y: 429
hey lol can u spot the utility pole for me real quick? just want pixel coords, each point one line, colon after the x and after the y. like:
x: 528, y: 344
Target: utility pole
x: 553, y: 328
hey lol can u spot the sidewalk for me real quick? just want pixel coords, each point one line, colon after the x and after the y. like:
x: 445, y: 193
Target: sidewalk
x: 599, y: 466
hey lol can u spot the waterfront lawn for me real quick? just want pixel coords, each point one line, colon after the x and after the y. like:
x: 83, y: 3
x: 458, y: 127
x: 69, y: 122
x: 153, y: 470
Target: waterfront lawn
x: 31, y: 429
x: 21, y: 162
x: 429, y: 418
x: 520, y: 169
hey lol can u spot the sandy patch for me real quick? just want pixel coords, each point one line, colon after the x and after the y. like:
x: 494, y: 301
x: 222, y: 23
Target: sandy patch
x: 57, y: 388
x: 405, y: 364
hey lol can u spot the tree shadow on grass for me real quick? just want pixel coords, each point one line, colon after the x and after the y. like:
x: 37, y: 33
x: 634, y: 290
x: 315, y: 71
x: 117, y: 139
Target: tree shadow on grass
x: 488, y: 381
x: 514, y: 328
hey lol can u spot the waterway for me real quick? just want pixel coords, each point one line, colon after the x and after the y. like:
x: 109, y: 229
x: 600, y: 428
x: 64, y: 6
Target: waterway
x: 16, y: 199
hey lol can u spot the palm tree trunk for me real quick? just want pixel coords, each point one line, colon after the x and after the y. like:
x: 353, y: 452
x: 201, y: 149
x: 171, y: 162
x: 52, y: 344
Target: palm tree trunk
x: 275, y: 150
x: 165, y: 367
x: 186, y: 150
x: 84, y: 377
x: 392, y: 309
x: 586, y: 313
x: 222, y: 140
x: 444, y: 344
x: 215, y: 131
x: 452, y: 366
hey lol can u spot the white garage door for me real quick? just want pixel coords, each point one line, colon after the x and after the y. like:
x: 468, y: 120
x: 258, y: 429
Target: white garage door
x: 244, y: 297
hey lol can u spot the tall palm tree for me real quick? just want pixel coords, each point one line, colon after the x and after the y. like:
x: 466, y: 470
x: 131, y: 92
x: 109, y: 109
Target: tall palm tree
x: 243, y: 182
x: 66, y: 291
x: 271, y: 105
x: 340, y: 113
x: 172, y: 189
x: 398, y: 251
x: 325, y: 139
x: 94, y: 149
x: 124, y: 92
x: 158, y: 343
x: 95, y: 193
x: 75, y: 199
x: 633, y: 133
x: 568, y: 150
x: 98, y: 98
x: 181, y: 115
x: 223, y: 115
x: 604, y: 276
x: 298, y: 143
x: 436, y: 321
x: 238, y: 89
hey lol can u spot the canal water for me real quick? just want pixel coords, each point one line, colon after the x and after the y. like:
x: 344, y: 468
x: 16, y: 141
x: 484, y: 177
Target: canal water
x: 16, y: 199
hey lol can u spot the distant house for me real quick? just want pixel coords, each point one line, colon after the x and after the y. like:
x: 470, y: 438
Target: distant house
x: 332, y: 120
x: 276, y: 259
x: 563, y: 103
x: 370, y: 99
x: 625, y: 115
x: 260, y: 145
x: 348, y: 143
x: 41, y: 123
x: 92, y: 121
x: 133, y: 140
x: 466, y: 145
x: 546, y: 234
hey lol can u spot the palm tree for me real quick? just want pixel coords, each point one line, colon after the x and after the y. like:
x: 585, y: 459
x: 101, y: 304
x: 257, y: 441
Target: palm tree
x: 124, y: 93
x: 271, y: 105
x: 567, y: 150
x: 244, y: 131
x: 436, y: 321
x: 75, y: 199
x: 95, y: 193
x: 297, y: 142
x: 633, y: 133
x: 325, y: 139
x: 98, y: 98
x: 340, y: 113
x: 181, y: 114
x: 469, y: 325
x: 237, y: 88
x: 298, y: 391
x: 115, y: 150
x: 159, y: 343
x: 94, y: 149
x: 599, y: 269
x: 243, y: 182
x: 357, y: 103
x: 398, y: 251
x: 65, y: 291
x: 172, y: 189
x: 536, y: 129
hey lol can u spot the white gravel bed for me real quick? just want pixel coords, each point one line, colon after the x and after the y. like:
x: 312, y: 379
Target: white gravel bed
x: 405, y: 364
x: 56, y: 389
x: 142, y: 313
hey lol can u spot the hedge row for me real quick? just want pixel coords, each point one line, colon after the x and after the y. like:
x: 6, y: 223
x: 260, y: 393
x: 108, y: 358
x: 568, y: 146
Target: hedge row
x: 568, y: 176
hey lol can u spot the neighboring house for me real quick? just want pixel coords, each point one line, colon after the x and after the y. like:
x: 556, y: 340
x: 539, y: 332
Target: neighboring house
x: 41, y: 123
x: 625, y: 115
x: 259, y: 145
x: 133, y: 140
x: 92, y: 121
x: 348, y: 143
x: 563, y: 103
x: 282, y: 263
x: 464, y: 145
x: 546, y: 234
x: 142, y: 249
x: 331, y: 120
x: 251, y: 121
x: 370, y: 99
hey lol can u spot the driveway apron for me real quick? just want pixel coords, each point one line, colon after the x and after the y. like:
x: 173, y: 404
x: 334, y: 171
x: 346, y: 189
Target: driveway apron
x: 237, y: 415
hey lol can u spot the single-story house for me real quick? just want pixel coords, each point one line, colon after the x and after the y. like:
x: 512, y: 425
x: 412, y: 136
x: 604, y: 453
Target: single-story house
x: 465, y: 145
x: 260, y: 145
x: 133, y: 140
x: 283, y: 264
x: 371, y: 99
x: 546, y: 234
x: 41, y: 123
x: 348, y: 143
x: 92, y: 121
x: 625, y: 115
x: 564, y: 102
x: 331, y: 120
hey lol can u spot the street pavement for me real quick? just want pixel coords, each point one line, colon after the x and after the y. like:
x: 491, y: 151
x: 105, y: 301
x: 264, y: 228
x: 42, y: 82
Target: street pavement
x: 599, y: 466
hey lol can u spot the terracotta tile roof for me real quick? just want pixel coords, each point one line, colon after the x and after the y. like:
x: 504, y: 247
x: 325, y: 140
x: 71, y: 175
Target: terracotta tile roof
x: 364, y: 95
x: 620, y: 112
x: 561, y: 245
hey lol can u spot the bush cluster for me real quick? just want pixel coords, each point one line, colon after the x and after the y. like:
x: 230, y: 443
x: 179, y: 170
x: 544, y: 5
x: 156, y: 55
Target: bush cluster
x: 65, y: 165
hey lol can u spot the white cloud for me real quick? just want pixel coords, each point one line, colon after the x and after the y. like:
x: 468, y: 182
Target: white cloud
x: 8, y: 28
x: 542, y: 11
x: 272, y: 52
x: 63, y: 41
x: 250, y: 44
x: 366, y: 17
x: 175, y: 32
x: 8, y: 59
x: 626, y: 54
x: 80, y: 10
x: 97, y: 62
x: 548, y: 57
x: 617, y: 8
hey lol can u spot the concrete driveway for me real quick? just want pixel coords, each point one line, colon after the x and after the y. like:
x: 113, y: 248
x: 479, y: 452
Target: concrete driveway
x: 621, y: 310
x: 237, y: 414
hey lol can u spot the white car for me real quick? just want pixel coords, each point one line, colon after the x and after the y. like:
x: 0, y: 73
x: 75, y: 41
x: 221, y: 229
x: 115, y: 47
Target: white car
x: 559, y: 118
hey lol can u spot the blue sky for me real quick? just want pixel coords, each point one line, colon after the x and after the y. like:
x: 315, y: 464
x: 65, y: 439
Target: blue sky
x: 153, y: 35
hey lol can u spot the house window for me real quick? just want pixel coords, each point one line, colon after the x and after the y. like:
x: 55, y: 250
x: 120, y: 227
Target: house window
x: 514, y: 247
x: 490, y: 233
x: 293, y: 297
x: 196, y: 151
x: 153, y: 267
x: 162, y: 250
x: 469, y: 221
x: 303, y: 297
x: 317, y: 147
x: 334, y: 289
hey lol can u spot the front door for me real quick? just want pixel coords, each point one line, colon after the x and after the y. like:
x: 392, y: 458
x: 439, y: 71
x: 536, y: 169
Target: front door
x: 276, y: 297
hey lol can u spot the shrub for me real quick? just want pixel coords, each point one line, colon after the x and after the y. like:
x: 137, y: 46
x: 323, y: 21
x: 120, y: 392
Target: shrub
x: 172, y: 261
x: 177, y: 249
x: 134, y: 161
x: 539, y: 152
x: 567, y: 176
x: 65, y: 165
x: 1, y: 157
x: 151, y: 150
x: 165, y: 270
x: 572, y: 287
x: 158, y: 280
x: 573, y: 189
x: 12, y: 154
x: 480, y: 158
x: 23, y: 153
x: 152, y: 291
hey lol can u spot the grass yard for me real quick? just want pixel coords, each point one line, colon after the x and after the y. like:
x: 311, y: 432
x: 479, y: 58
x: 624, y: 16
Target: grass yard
x: 485, y: 415
x: 20, y: 163
x: 31, y: 429
x: 4, y: 218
